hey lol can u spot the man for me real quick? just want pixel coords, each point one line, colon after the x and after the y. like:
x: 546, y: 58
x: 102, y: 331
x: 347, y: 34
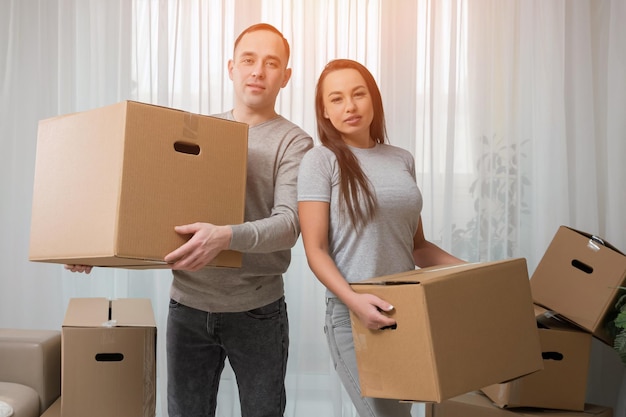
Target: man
x: 241, y: 313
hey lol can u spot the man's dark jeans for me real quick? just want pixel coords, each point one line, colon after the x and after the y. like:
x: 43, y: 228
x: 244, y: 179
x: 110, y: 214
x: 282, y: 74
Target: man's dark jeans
x: 256, y: 343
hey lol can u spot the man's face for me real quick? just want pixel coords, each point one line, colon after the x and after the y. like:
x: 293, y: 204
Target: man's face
x: 259, y: 69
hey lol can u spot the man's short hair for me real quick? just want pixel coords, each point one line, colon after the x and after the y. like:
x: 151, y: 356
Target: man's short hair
x: 264, y: 26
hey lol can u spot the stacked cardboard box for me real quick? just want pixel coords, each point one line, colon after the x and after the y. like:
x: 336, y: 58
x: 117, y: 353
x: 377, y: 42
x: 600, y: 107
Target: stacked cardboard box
x: 476, y: 404
x: 460, y: 325
x: 574, y: 288
x: 108, y: 359
x: 579, y: 278
x: 562, y: 383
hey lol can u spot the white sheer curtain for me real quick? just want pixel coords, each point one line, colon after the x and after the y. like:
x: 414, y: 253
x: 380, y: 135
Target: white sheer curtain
x: 513, y: 109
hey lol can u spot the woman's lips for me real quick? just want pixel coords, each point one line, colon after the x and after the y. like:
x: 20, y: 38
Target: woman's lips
x: 352, y: 120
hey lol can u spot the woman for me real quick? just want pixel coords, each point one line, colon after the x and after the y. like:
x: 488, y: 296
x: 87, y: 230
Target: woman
x: 359, y: 208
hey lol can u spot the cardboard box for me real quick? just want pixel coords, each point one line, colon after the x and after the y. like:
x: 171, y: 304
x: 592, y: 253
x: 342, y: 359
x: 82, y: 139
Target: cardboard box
x: 578, y: 277
x: 562, y: 384
x: 111, y: 183
x: 54, y: 410
x: 108, y: 358
x: 459, y: 328
x: 474, y: 404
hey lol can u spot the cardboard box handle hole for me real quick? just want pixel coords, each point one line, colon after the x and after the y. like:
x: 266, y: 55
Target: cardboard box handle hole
x: 187, y: 148
x: 554, y: 356
x: 587, y: 269
x: 109, y: 357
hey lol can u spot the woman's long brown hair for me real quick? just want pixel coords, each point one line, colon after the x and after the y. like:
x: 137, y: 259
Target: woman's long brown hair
x: 355, y: 190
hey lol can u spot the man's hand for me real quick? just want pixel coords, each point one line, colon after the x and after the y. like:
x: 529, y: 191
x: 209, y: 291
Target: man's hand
x: 79, y: 268
x: 206, y: 242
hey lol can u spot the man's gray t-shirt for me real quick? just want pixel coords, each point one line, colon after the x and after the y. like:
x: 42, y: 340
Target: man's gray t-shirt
x: 385, y: 245
x: 269, y: 231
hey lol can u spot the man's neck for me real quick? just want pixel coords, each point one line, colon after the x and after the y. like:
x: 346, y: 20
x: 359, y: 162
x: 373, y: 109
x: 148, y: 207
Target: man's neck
x: 253, y: 117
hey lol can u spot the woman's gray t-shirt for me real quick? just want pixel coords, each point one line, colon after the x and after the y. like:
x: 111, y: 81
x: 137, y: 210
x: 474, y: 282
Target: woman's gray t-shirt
x: 385, y: 245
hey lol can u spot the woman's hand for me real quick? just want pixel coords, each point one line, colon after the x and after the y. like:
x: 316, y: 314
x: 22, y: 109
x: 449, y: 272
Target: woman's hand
x: 369, y: 309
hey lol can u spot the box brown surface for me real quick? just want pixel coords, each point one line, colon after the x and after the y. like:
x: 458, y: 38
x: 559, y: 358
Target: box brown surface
x: 562, y: 384
x: 459, y: 328
x: 111, y: 183
x: 54, y: 410
x: 474, y: 404
x: 108, y: 358
x: 578, y: 277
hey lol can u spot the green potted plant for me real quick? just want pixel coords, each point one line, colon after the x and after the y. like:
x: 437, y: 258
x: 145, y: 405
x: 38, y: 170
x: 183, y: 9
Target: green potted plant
x: 499, y: 202
x: 619, y: 326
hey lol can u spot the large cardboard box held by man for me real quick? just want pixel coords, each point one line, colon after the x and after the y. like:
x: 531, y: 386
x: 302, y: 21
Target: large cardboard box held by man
x: 111, y: 183
x: 108, y: 358
x: 562, y: 383
x: 474, y: 404
x: 459, y: 328
x: 579, y: 277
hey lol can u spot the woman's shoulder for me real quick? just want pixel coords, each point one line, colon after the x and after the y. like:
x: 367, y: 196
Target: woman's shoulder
x: 396, y: 150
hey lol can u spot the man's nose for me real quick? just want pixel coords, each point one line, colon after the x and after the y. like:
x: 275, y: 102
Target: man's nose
x: 258, y: 71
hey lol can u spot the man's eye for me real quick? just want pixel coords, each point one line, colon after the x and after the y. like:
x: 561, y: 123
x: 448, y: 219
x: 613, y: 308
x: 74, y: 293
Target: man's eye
x: 272, y: 64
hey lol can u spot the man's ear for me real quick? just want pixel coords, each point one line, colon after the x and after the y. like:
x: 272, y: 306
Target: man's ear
x: 231, y: 65
x: 287, y: 77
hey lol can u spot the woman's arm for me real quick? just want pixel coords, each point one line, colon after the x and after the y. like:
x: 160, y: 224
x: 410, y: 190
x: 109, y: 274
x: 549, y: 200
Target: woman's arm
x: 426, y: 253
x: 314, y: 223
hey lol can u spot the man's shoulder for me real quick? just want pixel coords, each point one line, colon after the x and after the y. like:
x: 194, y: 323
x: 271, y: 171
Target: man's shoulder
x: 288, y: 125
x: 228, y: 115
x: 282, y: 130
x: 320, y: 153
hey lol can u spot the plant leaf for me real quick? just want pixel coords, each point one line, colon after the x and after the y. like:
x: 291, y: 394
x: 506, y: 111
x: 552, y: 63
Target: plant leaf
x: 620, y: 320
x: 620, y: 345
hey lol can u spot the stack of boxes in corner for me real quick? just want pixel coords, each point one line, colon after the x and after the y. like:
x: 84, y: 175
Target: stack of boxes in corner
x: 574, y: 288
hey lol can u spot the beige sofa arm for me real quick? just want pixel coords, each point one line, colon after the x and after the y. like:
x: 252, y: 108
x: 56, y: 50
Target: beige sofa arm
x: 32, y: 358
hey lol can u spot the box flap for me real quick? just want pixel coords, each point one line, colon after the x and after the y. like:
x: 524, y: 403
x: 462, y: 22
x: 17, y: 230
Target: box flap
x: 548, y: 319
x: 100, y: 312
x: 132, y: 312
x: 86, y: 312
x: 415, y: 276
x: 595, y: 239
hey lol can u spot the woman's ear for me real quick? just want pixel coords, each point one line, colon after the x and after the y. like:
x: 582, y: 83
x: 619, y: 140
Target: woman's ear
x: 325, y: 114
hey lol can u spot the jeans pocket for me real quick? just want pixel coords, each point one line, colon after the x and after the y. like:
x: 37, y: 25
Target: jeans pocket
x: 269, y: 311
x: 342, y: 322
x: 174, y: 303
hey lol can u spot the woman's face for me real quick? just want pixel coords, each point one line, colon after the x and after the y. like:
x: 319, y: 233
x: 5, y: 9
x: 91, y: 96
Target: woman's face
x: 348, y: 106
